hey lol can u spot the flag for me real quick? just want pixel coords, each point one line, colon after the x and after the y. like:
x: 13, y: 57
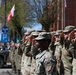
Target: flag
x: 11, y: 14
x: 50, y: 3
x: 65, y: 4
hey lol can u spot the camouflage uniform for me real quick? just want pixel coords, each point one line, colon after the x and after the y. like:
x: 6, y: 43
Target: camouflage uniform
x: 18, y: 61
x: 33, y: 66
x: 26, y: 61
x: 12, y: 56
x: 67, y: 61
x: 15, y: 58
x: 45, y: 63
x: 22, y: 64
x: 34, y: 52
x: 74, y: 66
x: 52, y: 47
x: 72, y: 49
x: 52, y: 44
x: 67, y: 56
x: 58, y: 54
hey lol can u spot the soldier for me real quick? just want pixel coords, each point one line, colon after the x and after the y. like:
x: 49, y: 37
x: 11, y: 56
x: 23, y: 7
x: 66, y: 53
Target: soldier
x: 72, y: 49
x: 58, y: 52
x: 45, y: 64
x: 12, y: 56
x: 34, y: 52
x: 66, y: 54
x: 23, y: 55
x: 52, y: 44
x: 18, y: 57
x: 55, y: 37
x: 27, y: 55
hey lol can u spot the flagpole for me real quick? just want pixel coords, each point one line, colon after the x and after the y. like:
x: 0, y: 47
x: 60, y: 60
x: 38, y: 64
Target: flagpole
x: 5, y: 12
x: 5, y: 25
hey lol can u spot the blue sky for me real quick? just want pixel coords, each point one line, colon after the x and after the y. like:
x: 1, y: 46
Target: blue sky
x: 35, y: 25
x: 0, y: 2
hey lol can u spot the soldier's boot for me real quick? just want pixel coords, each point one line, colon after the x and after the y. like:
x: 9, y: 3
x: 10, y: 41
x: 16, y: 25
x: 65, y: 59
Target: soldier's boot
x: 18, y: 72
x: 14, y: 69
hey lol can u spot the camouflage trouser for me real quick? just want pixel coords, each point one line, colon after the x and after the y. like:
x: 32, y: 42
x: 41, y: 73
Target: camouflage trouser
x: 74, y: 67
x: 67, y: 62
x: 18, y: 65
x: 13, y: 66
x: 33, y: 65
x: 22, y: 64
x: 67, y: 70
x: 25, y: 65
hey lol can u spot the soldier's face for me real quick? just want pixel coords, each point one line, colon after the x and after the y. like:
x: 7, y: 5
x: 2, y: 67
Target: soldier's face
x: 66, y: 35
x: 57, y: 37
x: 39, y: 43
x: 42, y: 44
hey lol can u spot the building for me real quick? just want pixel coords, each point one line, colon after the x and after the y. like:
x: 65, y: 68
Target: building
x: 70, y: 13
x: 66, y: 14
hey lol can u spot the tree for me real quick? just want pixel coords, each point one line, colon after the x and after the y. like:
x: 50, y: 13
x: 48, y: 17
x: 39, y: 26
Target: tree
x: 18, y: 21
x: 49, y: 16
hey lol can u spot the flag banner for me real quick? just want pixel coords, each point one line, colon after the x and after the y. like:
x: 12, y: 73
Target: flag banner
x: 11, y: 14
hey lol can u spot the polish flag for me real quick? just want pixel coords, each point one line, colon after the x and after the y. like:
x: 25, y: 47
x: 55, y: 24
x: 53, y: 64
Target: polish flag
x: 11, y: 14
x: 50, y: 3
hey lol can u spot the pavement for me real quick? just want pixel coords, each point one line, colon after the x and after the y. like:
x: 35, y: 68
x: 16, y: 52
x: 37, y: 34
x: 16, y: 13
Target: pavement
x: 6, y: 70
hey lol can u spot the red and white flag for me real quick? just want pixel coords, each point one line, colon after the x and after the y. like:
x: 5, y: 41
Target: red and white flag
x: 50, y: 3
x: 65, y: 4
x: 11, y: 14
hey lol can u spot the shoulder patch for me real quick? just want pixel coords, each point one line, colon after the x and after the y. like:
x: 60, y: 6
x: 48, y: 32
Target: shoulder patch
x: 48, y: 68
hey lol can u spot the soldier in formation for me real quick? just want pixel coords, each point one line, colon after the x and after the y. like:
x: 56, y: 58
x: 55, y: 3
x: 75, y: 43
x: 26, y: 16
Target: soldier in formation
x: 12, y: 56
x: 45, y: 53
